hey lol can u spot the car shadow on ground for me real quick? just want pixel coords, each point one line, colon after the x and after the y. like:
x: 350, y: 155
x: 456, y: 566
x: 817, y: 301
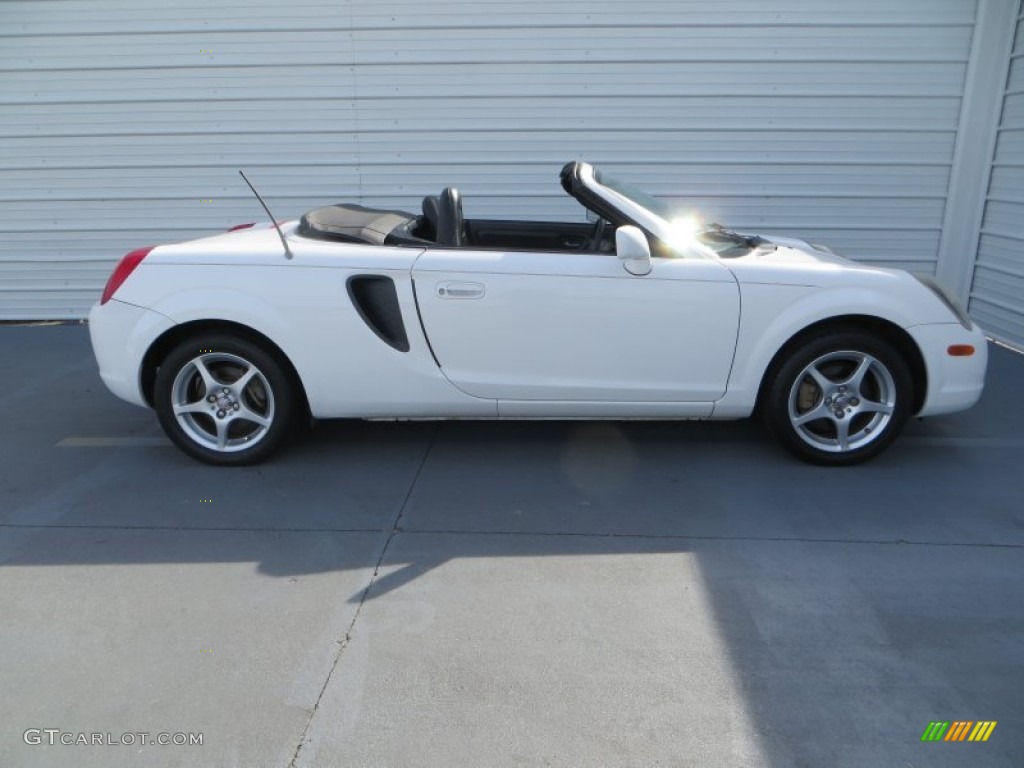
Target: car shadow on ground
x: 653, y: 481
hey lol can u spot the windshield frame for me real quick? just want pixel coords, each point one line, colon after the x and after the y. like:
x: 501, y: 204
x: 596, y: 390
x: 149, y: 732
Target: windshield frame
x: 630, y: 204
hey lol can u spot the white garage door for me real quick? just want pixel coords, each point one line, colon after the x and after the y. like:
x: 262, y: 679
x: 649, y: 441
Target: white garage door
x: 122, y: 123
x: 997, y: 294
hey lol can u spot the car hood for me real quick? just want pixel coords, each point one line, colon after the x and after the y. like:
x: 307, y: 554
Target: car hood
x: 789, y: 261
x: 789, y: 250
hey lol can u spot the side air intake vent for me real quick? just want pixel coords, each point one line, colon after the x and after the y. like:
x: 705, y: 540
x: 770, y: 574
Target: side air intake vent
x: 376, y: 301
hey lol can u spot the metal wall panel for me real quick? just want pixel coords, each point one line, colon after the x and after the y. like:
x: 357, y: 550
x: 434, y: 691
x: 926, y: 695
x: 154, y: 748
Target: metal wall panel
x: 997, y: 291
x: 122, y: 123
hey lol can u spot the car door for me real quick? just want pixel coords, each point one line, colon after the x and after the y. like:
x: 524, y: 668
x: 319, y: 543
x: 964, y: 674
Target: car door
x: 558, y: 326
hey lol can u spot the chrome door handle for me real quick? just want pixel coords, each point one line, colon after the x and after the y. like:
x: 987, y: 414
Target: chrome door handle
x: 459, y: 290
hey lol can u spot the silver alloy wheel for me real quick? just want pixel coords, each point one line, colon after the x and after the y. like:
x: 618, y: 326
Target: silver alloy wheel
x: 842, y: 401
x: 222, y: 402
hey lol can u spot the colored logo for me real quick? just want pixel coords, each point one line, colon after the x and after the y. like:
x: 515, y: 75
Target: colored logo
x: 958, y: 730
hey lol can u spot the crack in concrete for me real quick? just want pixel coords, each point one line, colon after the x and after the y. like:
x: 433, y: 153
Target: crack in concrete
x: 395, y: 528
x: 230, y: 529
x: 685, y: 537
x: 344, y: 642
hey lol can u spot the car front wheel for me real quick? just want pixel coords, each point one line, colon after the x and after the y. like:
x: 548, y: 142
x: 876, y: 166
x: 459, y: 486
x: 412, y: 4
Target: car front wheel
x: 840, y: 398
x: 224, y: 400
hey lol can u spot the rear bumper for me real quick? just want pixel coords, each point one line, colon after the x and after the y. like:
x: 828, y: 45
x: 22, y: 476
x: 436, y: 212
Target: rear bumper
x: 120, y: 334
x: 954, y: 383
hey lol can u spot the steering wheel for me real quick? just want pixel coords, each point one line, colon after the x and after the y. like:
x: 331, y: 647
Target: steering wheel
x: 597, y: 235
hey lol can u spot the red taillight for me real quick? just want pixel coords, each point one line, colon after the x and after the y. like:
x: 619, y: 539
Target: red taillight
x: 242, y: 226
x: 121, y: 272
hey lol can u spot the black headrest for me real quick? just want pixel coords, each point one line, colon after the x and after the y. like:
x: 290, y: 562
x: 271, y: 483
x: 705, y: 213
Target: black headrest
x: 431, y: 215
x: 450, y: 229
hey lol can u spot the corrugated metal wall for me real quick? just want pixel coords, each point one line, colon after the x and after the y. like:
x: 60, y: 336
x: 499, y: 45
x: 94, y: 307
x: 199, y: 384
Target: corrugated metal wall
x: 122, y: 123
x: 997, y: 294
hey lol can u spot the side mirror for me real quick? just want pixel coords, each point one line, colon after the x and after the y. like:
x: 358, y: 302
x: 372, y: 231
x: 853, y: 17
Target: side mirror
x: 631, y: 246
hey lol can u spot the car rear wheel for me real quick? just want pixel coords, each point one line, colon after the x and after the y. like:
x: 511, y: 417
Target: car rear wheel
x: 839, y: 398
x: 224, y: 400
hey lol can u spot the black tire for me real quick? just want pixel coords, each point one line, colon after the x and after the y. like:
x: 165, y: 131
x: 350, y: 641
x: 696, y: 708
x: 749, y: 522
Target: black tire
x: 817, y: 380
x: 242, y: 424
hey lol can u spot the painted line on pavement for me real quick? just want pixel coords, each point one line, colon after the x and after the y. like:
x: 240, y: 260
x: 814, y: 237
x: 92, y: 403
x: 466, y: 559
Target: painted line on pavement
x: 161, y: 442
x: 965, y: 442
x: 113, y: 442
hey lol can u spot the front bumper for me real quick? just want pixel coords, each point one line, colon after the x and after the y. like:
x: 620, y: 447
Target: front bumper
x: 954, y: 383
x: 121, y: 334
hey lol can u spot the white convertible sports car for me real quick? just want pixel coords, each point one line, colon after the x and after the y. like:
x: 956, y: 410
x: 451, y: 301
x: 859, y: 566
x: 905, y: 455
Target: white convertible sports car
x: 637, y: 312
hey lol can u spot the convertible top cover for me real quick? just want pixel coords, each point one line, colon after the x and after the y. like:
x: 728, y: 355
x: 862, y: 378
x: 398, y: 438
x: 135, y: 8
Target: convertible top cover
x: 353, y: 223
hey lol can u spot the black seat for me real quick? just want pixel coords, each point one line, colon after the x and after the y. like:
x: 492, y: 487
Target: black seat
x: 431, y: 214
x: 451, y: 229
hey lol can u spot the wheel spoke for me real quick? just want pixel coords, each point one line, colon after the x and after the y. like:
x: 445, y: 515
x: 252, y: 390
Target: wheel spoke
x: 821, y: 412
x: 843, y: 433
x: 247, y: 414
x: 869, y: 406
x: 823, y: 382
x: 244, y: 379
x: 204, y: 373
x: 222, y: 434
x: 199, y: 406
x: 857, y: 377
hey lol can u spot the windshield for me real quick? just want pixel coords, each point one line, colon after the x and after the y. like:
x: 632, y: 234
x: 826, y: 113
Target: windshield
x: 637, y: 195
x: 689, y: 223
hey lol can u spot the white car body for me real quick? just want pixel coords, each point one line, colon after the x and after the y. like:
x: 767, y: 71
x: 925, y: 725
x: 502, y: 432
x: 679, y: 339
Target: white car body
x: 510, y: 333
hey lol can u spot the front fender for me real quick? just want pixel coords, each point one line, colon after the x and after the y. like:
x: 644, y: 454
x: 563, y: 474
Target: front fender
x: 774, y: 314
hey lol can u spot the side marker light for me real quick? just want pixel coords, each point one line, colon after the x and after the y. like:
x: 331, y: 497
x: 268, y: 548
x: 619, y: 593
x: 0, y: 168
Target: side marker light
x: 960, y: 350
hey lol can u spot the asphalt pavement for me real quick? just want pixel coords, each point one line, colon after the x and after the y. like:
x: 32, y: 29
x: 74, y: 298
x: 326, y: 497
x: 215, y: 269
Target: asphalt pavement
x: 501, y: 594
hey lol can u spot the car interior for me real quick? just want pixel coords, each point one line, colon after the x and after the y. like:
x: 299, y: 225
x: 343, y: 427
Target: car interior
x: 442, y: 224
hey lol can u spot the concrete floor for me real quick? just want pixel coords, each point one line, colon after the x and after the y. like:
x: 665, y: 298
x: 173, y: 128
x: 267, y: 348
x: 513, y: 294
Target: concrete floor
x: 512, y: 594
